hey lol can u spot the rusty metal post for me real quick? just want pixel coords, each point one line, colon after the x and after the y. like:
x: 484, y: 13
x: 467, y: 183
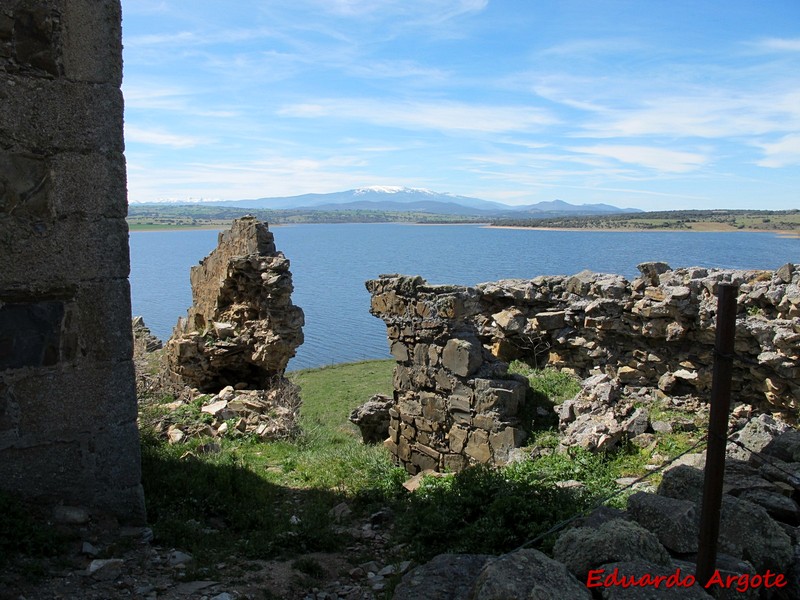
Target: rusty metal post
x: 717, y: 432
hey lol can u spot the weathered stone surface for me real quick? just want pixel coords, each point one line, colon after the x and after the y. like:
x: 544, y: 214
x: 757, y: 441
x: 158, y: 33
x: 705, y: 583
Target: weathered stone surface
x: 756, y: 436
x: 462, y: 357
x: 372, y: 418
x: 67, y: 399
x: 748, y: 532
x: 527, y: 575
x: 246, y: 285
x: 673, y: 521
x: 445, y: 577
x: 585, y: 548
x: 652, y: 338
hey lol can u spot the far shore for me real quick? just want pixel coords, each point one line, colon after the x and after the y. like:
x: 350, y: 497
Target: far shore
x: 701, y: 228
x: 787, y: 233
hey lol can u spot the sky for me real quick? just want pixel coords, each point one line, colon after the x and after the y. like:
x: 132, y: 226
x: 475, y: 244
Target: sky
x: 650, y: 104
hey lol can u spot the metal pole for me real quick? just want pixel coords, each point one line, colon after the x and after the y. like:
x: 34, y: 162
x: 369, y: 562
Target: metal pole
x: 717, y: 432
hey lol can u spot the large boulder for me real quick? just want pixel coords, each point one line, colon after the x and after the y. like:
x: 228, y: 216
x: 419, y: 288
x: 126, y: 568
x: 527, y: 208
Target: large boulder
x: 445, y: 577
x: 585, y: 548
x: 526, y: 575
x: 242, y: 328
x: 372, y: 418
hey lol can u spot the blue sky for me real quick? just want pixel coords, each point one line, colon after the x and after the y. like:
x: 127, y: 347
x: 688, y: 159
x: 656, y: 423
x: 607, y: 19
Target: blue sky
x: 654, y: 104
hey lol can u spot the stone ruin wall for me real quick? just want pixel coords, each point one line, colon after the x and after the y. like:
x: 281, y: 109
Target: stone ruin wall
x: 67, y: 399
x: 453, y: 407
x: 242, y: 327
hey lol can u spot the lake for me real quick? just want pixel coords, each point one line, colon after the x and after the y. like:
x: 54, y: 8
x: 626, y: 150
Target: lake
x: 330, y: 263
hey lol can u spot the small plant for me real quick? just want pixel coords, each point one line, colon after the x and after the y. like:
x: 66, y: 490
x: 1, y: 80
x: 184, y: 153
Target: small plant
x: 309, y: 566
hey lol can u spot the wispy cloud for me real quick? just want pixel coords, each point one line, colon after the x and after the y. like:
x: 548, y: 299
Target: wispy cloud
x: 659, y: 159
x: 437, y: 116
x: 783, y: 153
x: 161, y: 138
x: 779, y: 44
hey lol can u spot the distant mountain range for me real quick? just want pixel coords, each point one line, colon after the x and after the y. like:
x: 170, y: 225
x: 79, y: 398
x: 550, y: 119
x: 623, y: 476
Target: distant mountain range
x: 389, y: 198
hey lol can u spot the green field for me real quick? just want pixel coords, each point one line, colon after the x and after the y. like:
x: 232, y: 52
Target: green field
x: 245, y: 499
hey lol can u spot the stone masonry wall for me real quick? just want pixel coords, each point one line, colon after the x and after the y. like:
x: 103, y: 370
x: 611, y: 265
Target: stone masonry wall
x: 67, y: 399
x: 454, y: 404
x: 657, y: 331
x: 242, y: 327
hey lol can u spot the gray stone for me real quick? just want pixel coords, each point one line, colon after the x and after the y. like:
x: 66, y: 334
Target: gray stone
x: 527, y: 575
x: 372, y: 418
x: 673, y: 521
x: 462, y: 357
x: 652, y: 270
x: 445, y: 577
x: 682, y: 483
x: 246, y: 283
x: 748, y: 532
x: 105, y: 569
x: 584, y: 548
x: 778, y: 506
x: 755, y: 436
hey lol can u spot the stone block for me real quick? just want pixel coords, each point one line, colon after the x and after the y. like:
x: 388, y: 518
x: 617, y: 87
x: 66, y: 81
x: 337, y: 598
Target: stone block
x: 400, y: 351
x: 478, y: 446
x: 504, y: 441
x: 549, y: 320
x: 462, y: 357
x: 487, y: 421
x: 60, y: 115
x: 459, y: 403
x: 31, y: 334
x: 92, y: 41
x: 503, y: 396
x: 50, y: 468
x: 424, y: 425
x: 511, y: 320
x: 422, y: 460
x: 105, y: 197
x: 457, y: 438
x: 26, y: 186
x: 68, y: 400
x: 390, y: 445
x: 424, y: 449
x: 454, y: 463
x: 409, y: 407
x: 403, y: 449
x: 67, y: 251
x: 101, y: 335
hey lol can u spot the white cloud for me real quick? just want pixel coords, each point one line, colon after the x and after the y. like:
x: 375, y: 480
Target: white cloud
x: 780, y: 44
x: 435, y: 11
x: 659, y: 159
x: 161, y: 138
x: 436, y: 116
x: 783, y: 153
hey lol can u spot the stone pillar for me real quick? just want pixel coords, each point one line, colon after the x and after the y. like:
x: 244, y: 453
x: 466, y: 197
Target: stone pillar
x: 67, y: 398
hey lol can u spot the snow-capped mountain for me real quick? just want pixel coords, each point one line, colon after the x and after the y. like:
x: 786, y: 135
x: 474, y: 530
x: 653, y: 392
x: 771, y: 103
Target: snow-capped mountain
x: 393, y: 198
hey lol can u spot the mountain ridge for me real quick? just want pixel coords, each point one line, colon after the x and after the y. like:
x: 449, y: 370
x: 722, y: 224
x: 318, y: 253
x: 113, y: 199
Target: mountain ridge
x: 394, y: 198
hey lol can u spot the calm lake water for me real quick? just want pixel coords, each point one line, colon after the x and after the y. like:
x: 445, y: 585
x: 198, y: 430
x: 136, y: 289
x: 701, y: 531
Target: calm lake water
x: 331, y: 262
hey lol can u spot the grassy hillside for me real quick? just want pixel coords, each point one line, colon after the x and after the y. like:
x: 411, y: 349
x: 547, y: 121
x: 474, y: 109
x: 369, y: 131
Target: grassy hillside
x: 153, y: 217
x: 687, y: 220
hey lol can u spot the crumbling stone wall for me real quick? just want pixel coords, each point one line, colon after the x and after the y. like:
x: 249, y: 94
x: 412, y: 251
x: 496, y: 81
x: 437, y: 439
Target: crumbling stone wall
x: 242, y: 328
x: 657, y: 331
x: 454, y: 403
x: 67, y: 400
